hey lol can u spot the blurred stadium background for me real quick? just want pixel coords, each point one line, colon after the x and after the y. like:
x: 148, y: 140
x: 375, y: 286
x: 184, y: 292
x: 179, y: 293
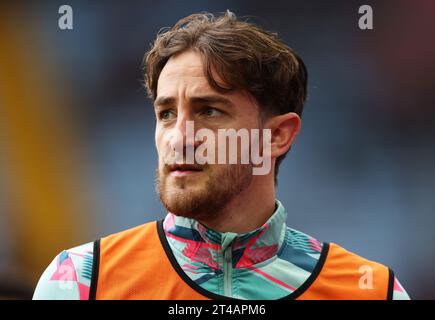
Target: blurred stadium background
x: 77, y: 153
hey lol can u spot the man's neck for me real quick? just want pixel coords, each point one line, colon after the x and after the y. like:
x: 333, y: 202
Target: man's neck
x: 247, y: 211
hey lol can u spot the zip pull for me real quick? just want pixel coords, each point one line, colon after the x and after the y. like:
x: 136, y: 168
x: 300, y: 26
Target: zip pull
x: 227, y: 255
x: 228, y: 272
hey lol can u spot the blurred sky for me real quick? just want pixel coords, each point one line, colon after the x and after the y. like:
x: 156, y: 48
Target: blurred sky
x: 77, y: 130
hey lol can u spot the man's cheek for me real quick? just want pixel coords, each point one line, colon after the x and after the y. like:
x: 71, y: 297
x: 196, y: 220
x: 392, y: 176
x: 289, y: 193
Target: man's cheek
x: 159, y: 145
x: 158, y: 139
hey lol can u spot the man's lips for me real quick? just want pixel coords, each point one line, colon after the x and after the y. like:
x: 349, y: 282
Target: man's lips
x: 178, y: 170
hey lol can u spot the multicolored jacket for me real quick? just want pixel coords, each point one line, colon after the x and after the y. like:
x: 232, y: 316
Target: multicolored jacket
x: 274, y: 257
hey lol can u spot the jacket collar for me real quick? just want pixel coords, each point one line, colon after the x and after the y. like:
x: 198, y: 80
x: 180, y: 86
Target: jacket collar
x: 205, y: 246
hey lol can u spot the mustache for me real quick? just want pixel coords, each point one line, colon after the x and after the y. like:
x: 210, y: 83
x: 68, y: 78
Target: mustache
x: 184, y: 167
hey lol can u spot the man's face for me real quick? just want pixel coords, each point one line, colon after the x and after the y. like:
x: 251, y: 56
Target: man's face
x: 184, y: 94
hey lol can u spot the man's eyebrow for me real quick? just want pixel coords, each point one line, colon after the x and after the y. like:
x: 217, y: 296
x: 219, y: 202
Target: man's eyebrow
x: 208, y: 99
x: 163, y: 101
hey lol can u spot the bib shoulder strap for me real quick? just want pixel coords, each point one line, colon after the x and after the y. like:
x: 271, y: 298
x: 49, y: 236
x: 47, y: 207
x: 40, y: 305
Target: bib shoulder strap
x: 348, y: 276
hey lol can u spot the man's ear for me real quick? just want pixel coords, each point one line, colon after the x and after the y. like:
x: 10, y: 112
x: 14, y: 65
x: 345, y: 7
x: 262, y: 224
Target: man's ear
x: 284, y: 129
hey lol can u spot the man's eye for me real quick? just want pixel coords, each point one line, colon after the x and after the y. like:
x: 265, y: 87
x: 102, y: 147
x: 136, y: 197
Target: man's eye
x: 165, y: 115
x: 210, y: 112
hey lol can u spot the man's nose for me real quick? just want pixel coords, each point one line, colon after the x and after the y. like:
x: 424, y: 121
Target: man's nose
x: 181, y: 123
x: 183, y: 135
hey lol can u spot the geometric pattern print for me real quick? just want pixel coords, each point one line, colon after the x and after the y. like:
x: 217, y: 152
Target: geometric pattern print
x: 68, y: 277
x: 399, y: 292
x: 300, y: 250
x: 275, y: 258
x: 277, y: 273
x: 204, y: 245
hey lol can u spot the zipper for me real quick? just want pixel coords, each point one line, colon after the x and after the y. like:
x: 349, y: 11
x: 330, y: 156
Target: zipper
x: 228, y: 272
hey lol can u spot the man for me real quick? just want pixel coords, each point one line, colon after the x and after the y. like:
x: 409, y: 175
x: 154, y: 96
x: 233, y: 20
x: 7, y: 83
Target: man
x: 225, y: 234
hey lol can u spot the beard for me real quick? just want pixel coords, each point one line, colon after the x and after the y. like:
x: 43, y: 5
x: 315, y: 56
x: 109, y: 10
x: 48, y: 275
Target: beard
x: 210, y: 198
